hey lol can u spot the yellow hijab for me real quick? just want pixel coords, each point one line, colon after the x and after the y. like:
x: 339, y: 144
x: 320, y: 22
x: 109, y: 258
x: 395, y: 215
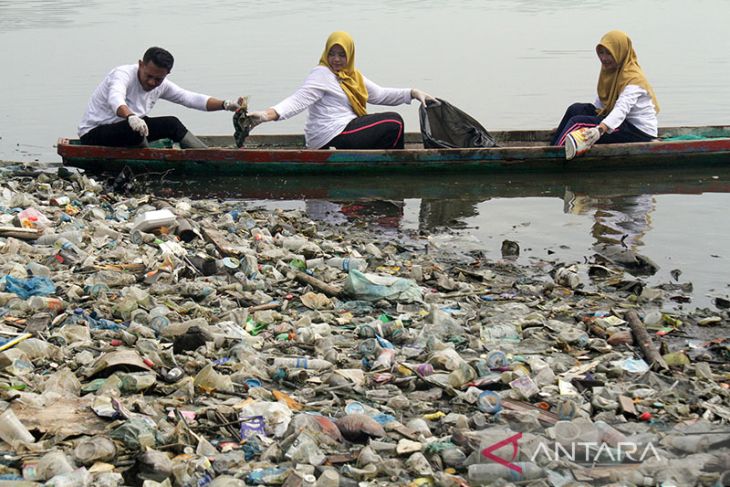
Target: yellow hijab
x: 612, y: 83
x: 350, y: 78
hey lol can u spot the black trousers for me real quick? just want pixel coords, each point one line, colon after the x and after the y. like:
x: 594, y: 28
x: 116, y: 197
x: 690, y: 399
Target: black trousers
x: 580, y: 115
x: 120, y: 134
x: 375, y: 131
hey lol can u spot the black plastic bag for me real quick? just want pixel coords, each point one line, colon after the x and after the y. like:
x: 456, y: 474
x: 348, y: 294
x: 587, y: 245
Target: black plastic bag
x: 242, y: 126
x: 445, y: 126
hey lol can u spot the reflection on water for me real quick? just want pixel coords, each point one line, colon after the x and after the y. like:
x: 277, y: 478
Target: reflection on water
x: 619, y: 220
x: 565, y: 217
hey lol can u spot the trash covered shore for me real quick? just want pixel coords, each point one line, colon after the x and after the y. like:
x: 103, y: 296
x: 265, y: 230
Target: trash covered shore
x: 159, y: 341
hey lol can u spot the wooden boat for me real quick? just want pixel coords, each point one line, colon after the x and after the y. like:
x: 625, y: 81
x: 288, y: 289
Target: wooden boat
x: 517, y: 151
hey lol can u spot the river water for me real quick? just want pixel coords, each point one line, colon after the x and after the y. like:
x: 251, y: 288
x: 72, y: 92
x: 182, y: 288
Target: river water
x: 512, y: 64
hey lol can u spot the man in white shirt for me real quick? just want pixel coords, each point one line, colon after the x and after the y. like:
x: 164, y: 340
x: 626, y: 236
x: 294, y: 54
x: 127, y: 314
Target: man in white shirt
x: 117, y: 114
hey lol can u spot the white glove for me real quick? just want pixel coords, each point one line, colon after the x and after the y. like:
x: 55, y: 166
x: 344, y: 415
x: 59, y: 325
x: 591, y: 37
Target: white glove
x: 421, y: 96
x: 138, y: 125
x: 258, y: 118
x: 230, y: 105
x: 233, y: 106
x: 592, y: 135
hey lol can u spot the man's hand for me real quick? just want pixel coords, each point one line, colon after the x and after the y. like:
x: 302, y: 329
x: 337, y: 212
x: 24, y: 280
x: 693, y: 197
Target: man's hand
x: 421, y: 96
x: 138, y: 125
x: 592, y: 135
x: 233, y: 106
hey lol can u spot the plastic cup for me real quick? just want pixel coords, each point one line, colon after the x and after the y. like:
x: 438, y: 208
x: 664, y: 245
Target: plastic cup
x: 496, y: 359
x: 12, y: 431
x: 355, y: 408
x: 489, y: 402
x: 424, y: 369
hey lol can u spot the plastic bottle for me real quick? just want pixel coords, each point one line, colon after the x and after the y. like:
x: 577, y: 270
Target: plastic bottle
x: 609, y: 434
x: 38, y: 270
x: 486, y: 473
x: 59, y: 201
x: 578, y: 430
x: 102, y: 230
x: 45, y: 303
x: 632, y: 477
x: 453, y: 457
x: 314, y: 263
x: 68, y: 252
x: 328, y: 478
x: 52, y: 464
x: 347, y: 263
x: 463, y: 374
x: 230, y: 264
x: 209, y: 379
x: 301, y: 363
x: 688, y: 443
x: 12, y: 431
x: 75, y: 236
x: 138, y: 237
x: 386, y: 359
x: 272, y: 475
x: 91, y: 450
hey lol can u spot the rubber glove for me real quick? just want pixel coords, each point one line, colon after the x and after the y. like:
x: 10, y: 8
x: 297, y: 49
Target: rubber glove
x: 592, y: 135
x: 421, y: 96
x: 258, y: 118
x: 233, y: 106
x: 138, y: 125
x: 230, y: 105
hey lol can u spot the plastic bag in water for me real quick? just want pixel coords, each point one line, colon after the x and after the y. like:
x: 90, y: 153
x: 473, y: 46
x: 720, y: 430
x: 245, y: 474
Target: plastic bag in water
x: 373, y: 287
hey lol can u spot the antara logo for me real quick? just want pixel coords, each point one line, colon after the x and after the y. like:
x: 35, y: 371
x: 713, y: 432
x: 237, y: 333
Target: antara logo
x: 592, y: 452
x: 487, y: 452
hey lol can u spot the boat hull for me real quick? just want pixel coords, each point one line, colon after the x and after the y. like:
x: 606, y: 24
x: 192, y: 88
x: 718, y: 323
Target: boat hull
x: 270, y: 156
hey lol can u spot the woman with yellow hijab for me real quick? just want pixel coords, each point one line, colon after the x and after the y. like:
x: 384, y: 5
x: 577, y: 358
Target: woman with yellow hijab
x: 626, y: 107
x: 336, y: 94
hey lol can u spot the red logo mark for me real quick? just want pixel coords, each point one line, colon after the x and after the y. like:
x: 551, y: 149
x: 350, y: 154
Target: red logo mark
x: 487, y: 452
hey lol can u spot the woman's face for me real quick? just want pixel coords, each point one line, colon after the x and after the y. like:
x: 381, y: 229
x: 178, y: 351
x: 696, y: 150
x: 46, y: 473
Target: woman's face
x: 337, y: 58
x: 607, y: 60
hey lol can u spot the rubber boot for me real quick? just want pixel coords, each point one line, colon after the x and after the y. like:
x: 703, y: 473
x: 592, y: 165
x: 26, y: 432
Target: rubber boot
x: 190, y: 141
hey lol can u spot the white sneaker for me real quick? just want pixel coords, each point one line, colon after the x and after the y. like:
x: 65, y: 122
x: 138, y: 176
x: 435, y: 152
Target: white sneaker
x: 570, y: 147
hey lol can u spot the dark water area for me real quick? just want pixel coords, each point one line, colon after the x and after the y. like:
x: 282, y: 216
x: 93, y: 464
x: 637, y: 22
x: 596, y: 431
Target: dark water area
x: 676, y: 218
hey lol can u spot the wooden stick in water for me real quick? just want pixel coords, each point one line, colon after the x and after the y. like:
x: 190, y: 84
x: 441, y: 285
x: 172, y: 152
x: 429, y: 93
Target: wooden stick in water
x: 644, y: 340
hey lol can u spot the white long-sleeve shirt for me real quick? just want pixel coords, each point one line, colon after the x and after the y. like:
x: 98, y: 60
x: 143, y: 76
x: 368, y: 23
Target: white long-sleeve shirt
x: 122, y: 87
x: 635, y: 105
x: 329, y: 109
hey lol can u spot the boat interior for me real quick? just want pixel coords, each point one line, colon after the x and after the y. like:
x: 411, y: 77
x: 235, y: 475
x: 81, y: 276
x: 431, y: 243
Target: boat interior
x: 413, y: 140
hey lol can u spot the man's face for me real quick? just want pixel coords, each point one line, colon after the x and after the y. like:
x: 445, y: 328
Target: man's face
x: 151, y: 75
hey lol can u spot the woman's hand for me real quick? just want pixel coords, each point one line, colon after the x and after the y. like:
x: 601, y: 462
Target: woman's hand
x: 592, y: 135
x: 421, y: 96
x: 257, y: 118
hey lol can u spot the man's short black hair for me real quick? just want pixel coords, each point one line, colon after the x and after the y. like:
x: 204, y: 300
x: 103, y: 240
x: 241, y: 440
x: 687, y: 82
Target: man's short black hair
x: 160, y: 57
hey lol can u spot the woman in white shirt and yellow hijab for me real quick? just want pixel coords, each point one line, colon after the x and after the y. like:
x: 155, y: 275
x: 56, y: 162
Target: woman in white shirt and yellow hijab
x: 626, y: 107
x: 336, y: 94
